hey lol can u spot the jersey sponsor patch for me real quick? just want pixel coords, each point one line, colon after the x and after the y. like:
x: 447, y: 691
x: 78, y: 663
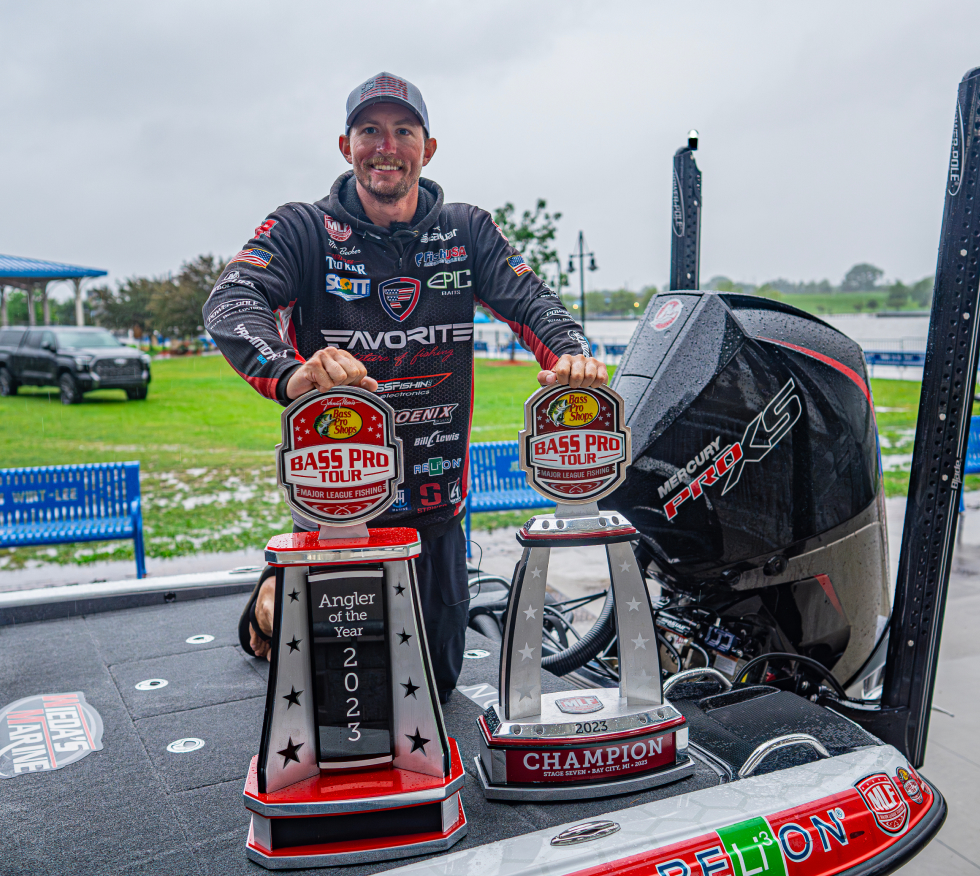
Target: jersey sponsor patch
x: 348, y: 288
x: 399, y: 296
x: 396, y: 340
x: 441, y: 257
x: 415, y: 385
x: 265, y: 229
x: 518, y: 265
x: 258, y: 257
x: 339, y: 231
x: 438, y: 414
x: 335, y: 264
x: 450, y: 280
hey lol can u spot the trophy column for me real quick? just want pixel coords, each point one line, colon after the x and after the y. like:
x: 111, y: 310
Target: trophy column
x: 593, y: 742
x: 354, y: 763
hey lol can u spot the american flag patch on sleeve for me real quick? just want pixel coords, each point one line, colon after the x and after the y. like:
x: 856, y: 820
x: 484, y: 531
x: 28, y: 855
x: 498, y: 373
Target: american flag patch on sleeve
x: 258, y: 257
x: 517, y: 265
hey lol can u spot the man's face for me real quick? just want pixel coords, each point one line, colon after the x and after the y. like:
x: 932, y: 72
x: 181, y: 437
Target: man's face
x: 388, y: 148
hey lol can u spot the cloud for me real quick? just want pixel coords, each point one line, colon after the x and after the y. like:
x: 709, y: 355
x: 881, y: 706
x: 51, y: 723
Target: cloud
x: 139, y: 135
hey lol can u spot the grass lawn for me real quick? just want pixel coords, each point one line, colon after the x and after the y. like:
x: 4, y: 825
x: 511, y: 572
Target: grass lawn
x: 205, y: 440
x: 846, y: 302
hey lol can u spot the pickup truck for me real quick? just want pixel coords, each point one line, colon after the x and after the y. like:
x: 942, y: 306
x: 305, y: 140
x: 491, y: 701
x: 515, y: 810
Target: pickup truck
x: 74, y: 359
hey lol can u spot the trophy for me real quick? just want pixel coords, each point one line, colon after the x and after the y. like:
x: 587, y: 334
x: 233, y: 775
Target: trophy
x: 574, y: 450
x: 354, y: 765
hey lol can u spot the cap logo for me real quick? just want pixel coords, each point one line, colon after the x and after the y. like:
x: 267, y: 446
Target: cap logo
x: 386, y: 86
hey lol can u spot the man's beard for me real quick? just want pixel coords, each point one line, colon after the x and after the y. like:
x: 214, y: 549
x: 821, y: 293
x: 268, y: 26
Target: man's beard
x: 362, y: 174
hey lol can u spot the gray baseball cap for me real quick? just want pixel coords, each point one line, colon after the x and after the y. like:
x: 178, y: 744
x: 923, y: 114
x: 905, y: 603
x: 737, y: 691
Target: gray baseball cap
x: 387, y: 88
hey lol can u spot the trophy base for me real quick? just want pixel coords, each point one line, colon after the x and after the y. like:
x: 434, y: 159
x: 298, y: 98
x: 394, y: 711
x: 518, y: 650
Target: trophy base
x: 561, y: 793
x: 613, y: 748
x: 359, y: 817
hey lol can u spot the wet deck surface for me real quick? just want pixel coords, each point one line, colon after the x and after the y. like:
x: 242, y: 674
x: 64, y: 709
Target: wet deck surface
x: 136, y: 808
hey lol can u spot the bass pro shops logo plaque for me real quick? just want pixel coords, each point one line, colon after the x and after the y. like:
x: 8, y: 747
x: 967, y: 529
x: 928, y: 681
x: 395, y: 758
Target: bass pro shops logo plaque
x: 339, y: 462
x: 574, y: 446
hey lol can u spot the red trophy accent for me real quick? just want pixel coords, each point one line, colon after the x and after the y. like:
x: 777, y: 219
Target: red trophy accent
x: 355, y: 764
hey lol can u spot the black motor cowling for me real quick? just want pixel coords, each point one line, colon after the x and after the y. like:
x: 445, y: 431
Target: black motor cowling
x: 755, y: 457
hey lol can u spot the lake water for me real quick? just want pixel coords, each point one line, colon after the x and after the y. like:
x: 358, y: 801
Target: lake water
x: 871, y: 332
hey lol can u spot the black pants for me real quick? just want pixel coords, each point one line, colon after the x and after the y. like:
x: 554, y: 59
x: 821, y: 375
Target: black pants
x: 441, y: 571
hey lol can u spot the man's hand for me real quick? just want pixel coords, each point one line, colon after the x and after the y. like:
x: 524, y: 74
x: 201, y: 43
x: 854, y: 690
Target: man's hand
x: 576, y: 372
x: 326, y: 369
x: 265, y: 606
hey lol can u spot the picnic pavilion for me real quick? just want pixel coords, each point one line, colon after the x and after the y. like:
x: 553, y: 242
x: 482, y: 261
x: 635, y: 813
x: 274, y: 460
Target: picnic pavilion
x: 34, y: 276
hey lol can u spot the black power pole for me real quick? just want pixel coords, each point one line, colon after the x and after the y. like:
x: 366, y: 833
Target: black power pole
x: 685, y: 243
x: 941, y: 435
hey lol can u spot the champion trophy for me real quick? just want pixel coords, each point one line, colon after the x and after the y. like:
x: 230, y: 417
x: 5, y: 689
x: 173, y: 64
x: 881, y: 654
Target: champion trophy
x: 575, y: 449
x: 354, y: 765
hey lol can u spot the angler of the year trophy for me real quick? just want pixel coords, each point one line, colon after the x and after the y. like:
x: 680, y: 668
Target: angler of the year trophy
x: 354, y: 764
x: 575, y: 449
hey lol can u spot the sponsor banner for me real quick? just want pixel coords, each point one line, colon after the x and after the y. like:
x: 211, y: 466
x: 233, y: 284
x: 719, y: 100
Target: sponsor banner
x: 829, y: 835
x: 455, y: 333
x: 436, y: 235
x: 440, y: 257
x: 909, y: 781
x: 399, y: 296
x: 452, y: 280
x: 341, y: 264
x: 436, y: 437
x: 339, y: 462
x: 574, y: 446
x: 46, y: 732
x: 761, y: 436
x: 589, y: 762
x: 348, y: 288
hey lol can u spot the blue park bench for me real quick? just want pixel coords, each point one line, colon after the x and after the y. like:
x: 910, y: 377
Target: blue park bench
x: 497, y: 482
x: 60, y: 504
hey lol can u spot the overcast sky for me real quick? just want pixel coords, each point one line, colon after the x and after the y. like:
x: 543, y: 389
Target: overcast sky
x: 134, y: 136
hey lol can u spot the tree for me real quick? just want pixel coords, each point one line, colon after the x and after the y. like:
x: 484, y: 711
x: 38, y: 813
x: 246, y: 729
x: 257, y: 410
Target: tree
x: 176, y: 304
x: 645, y: 296
x: 861, y: 278
x: 129, y: 307
x: 921, y: 292
x: 898, y: 295
x: 533, y: 236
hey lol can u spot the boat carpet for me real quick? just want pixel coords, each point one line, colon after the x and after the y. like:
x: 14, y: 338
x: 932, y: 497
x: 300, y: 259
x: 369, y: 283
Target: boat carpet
x: 135, y: 808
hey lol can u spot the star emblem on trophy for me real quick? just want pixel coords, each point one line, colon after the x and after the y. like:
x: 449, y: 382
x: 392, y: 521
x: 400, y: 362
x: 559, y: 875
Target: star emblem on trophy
x: 574, y: 450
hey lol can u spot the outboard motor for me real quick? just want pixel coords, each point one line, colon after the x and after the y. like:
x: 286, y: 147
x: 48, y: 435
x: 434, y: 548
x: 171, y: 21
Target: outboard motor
x: 756, y: 483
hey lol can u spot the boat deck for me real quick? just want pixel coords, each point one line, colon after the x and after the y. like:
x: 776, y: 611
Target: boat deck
x: 134, y: 807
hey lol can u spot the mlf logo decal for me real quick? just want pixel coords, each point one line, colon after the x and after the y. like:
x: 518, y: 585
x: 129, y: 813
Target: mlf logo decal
x: 399, y: 296
x: 761, y: 435
x: 339, y: 231
x: 579, y: 705
x: 884, y: 802
x: 47, y: 732
x: 667, y: 315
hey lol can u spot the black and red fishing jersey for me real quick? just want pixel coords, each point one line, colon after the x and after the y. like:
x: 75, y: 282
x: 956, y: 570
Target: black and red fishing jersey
x: 401, y: 300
